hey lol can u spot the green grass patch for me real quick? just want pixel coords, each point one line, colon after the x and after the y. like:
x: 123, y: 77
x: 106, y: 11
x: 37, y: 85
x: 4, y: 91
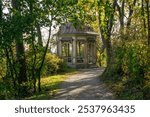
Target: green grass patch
x: 50, y: 85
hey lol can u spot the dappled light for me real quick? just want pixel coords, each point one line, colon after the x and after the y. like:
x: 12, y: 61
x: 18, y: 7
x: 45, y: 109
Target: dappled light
x: 84, y: 85
x: 107, y: 43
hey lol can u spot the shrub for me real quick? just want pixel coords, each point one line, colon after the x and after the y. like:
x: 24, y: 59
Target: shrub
x: 130, y: 70
x: 52, y: 64
x: 2, y: 67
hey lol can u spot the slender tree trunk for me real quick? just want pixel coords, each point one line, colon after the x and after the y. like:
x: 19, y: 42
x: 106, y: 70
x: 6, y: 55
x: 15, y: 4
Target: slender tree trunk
x: 1, y: 12
x: 13, y: 62
x: 122, y: 11
x: 148, y: 20
x: 40, y: 42
x: 43, y: 59
x: 121, y: 18
x: 106, y: 35
x: 9, y: 63
x: 33, y: 48
x: 108, y: 51
x: 129, y: 19
x: 33, y: 65
x: 130, y: 13
x: 11, y: 69
x: 20, y: 55
x: 108, y: 39
x: 143, y: 14
x: 121, y: 14
x: 22, y: 77
x: 1, y: 18
x: 101, y: 33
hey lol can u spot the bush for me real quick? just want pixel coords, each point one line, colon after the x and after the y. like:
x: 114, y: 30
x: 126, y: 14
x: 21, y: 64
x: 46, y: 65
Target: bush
x: 6, y: 89
x: 2, y: 67
x: 52, y: 64
x: 130, y: 71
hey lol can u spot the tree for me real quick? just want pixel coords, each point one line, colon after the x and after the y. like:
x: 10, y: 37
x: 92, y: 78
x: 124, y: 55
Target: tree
x: 20, y: 50
x: 53, y: 14
x: 148, y: 20
x: 0, y: 11
x: 106, y: 12
x: 131, y: 12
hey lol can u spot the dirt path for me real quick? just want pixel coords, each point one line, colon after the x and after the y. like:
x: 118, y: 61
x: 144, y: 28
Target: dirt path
x: 85, y: 85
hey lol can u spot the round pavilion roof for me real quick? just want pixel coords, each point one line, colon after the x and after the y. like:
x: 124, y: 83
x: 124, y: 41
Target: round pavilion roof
x: 70, y: 29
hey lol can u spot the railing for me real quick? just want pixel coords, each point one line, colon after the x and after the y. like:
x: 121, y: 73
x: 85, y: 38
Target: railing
x: 80, y: 60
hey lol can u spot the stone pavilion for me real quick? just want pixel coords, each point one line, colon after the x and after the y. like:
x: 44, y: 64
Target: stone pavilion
x: 77, y: 46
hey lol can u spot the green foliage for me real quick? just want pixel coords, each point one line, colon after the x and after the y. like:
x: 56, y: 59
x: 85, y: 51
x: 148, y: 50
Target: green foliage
x: 101, y: 59
x: 135, y: 61
x: 2, y: 67
x: 18, y: 28
x: 52, y: 64
x: 6, y: 88
x: 129, y: 75
x: 50, y: 86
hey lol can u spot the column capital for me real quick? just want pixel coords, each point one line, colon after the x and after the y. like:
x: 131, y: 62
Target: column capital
x: 73, y: 37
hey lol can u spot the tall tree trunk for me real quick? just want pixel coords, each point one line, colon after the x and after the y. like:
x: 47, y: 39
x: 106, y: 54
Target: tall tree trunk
x: 22, y: 77
x: 148, y: 20
x: 40, y: 42
x: 43, y: 59
x: 129, y: 19
x: 121, y: 14
x: 101, y: 33
x: 121, y: 17
x: 130, y: 13
x: 0, y: 11
x: 34, y: 49
x: 11, y: 70
x: 106, y: 33
x: 143, y: 14
x: 20, y: 55
x: 1, y: 18
x: 108, y: 37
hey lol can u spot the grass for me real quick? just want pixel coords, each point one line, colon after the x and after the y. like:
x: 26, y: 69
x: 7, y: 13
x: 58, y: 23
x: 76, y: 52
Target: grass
x: 50, y: 85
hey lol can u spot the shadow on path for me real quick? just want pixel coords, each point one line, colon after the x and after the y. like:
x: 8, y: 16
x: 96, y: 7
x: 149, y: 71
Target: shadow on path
x: 85, y: 85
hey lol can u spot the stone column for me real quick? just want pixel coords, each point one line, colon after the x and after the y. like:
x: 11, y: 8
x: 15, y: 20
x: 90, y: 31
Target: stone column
x: 94, y: 52
x: 74, y: 50
x: 59, y: 47
x: 86, y: 53
x: 91, y: 52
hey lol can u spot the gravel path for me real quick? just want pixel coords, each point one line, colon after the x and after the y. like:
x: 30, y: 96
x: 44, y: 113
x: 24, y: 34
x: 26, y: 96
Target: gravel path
x: 85, y: 85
